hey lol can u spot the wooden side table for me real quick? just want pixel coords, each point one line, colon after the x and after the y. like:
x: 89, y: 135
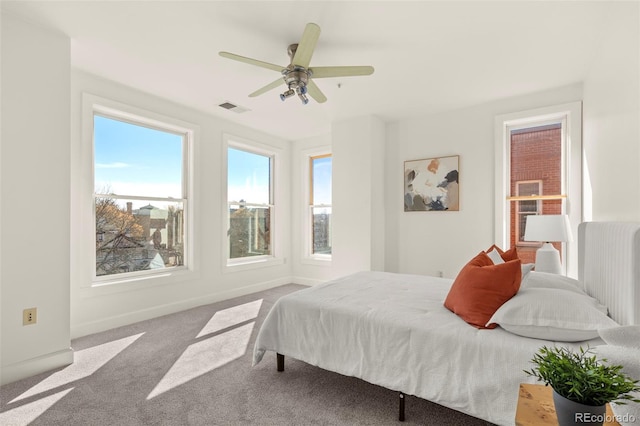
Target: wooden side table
x: 535, y: 407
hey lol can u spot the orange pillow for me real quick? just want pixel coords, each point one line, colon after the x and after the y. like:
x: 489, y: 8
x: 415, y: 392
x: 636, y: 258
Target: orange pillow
x: 481, y: 288
x: 508, y: 255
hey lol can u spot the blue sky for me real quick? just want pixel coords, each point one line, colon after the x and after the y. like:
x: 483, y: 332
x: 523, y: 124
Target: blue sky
x: 139, y: 161
x: 135, y: 160
x: 248, y: 177
x: 322, y: 180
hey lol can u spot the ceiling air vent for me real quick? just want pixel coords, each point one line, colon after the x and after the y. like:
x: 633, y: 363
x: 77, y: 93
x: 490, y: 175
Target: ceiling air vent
x: 233, y: 107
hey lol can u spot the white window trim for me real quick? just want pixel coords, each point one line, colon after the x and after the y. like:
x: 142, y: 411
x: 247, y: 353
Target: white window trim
x: 309, y: 257
x: 91, y: 284
x: 253, y: 262
x: 570, y: 115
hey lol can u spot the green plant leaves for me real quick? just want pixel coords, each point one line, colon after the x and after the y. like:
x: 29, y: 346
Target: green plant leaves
x: 580, y: 377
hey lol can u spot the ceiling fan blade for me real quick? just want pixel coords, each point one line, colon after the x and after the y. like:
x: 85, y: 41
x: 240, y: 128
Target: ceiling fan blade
x: 307, y: 45
x: 314, y: 91
x: 252, y: 61
x: 266, y: 88
x: 323, y: 72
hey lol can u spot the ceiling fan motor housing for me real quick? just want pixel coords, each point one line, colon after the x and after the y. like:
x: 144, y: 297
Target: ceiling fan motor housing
x: 295, y: 76
x: 296, y: 79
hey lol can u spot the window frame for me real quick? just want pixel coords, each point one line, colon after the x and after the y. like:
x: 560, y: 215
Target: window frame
x: 95, y: 105
x: 569, y: 115
x: 308, y: 257
x: 274, y: 154
x: 309, y: 225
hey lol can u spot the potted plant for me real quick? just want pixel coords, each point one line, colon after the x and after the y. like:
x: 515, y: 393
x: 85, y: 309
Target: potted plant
x: 582, y: 385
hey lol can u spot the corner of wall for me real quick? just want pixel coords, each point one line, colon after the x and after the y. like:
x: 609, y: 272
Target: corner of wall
x: 35, y: 174
x: 40, y: 364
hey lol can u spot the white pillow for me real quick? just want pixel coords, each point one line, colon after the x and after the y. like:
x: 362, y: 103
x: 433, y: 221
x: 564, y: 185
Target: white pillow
x: 620, y: 355
x: 526, y: 268
x: 497, y: 260
x: 552, y: 314
x: 627, y: 336
x: 495, y: 257
x: 554, y: 281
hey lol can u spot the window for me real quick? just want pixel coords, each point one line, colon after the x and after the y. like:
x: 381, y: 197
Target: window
x: 525, y: 208
x: 538, y: 171
x: 536, y: 153
x: 320, y: 204
x: 139, y: 195
x: 250, y: 203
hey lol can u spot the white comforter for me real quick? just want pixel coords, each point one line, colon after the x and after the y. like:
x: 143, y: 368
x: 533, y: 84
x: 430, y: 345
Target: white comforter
x: 393, y: 330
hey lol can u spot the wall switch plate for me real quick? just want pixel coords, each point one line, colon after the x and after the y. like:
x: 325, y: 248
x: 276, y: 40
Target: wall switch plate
x: 29, y: 316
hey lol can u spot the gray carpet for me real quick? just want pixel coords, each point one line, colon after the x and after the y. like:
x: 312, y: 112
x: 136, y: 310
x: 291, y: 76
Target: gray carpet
x: 194, y: 368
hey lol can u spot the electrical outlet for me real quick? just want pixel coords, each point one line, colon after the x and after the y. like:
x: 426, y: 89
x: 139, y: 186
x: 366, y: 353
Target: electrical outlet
x: 29, y: 316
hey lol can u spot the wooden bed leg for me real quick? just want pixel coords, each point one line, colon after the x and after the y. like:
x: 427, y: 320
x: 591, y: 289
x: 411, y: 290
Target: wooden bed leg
x: 280, y: 361
x: 401, y: 408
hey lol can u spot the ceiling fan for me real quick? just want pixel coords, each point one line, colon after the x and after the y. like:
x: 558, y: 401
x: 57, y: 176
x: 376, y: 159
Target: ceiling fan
x: 297, y: 76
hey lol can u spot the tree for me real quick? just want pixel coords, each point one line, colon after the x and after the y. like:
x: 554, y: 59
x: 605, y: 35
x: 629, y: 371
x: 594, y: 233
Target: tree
x: 112, y: 219
x: 249, y: 232
x: 118, y: 237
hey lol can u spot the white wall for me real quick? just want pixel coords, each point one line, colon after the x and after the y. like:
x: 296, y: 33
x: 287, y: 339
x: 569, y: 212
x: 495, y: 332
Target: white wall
x: 96, y: 309
x: 612, y: 120
x: 358, y: 188
x: 35, y: 199
x: 428, y: 243
x: 431, y: 243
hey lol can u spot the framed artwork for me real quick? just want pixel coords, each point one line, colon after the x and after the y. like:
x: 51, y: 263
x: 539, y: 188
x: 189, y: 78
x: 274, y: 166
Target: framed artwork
x: 432, y: 184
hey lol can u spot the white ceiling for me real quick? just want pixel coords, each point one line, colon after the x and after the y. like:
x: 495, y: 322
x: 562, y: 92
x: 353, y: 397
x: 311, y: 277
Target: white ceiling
x: 429, y: 56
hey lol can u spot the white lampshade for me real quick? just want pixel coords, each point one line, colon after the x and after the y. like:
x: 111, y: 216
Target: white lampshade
x: 547, y: 228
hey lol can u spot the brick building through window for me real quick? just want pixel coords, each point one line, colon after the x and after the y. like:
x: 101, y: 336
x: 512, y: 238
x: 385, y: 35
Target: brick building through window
x: 536, y: 169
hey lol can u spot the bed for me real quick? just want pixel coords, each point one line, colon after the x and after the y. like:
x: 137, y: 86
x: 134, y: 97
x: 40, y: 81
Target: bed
x: 392, y: 329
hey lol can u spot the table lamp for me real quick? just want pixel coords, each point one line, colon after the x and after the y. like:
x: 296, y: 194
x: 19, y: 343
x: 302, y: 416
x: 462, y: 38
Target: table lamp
x: 548, y: 228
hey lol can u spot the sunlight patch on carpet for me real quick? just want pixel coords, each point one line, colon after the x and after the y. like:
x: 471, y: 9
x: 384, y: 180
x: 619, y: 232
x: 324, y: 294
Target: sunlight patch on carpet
x: 85, y: 363
x: 231, y: 316
x: 25, y: 414
x: 205, y: 356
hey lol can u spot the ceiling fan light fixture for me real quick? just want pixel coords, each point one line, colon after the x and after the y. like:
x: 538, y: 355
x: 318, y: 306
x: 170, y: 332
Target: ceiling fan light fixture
x: 287, y: 94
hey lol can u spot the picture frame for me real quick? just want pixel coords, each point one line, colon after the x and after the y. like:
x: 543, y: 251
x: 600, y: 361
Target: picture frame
x: 432, y: 184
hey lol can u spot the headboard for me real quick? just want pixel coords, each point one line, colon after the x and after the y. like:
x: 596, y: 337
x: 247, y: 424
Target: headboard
x: 609, y: 267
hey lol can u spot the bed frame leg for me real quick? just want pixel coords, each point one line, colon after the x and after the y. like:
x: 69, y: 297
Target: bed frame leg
x: 280, y: 361
x: 401, y: 408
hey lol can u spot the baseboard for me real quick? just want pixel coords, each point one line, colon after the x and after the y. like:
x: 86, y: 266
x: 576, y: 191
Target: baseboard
x: 79, y: 330
x: 307, y: 281
x: 31, y: 367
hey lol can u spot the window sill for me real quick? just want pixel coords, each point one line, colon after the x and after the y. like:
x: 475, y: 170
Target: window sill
x: 317, y: 260
x: 252, y: 263
x: 529, y: 245
x: 134, y: 283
